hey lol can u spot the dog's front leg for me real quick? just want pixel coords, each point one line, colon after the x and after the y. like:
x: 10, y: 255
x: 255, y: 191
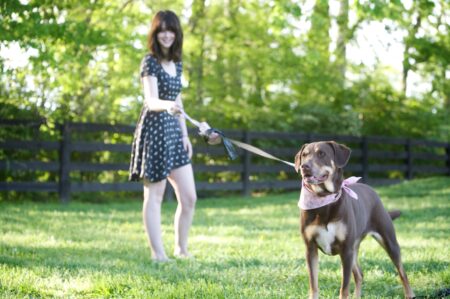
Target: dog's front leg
x: 312, y: 260
x: 347, y: 257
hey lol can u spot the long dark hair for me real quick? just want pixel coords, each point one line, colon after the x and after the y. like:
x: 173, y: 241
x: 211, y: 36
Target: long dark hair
x: 169, y: 20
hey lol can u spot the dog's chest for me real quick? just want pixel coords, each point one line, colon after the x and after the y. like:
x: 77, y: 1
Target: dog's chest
x: 326, y: 236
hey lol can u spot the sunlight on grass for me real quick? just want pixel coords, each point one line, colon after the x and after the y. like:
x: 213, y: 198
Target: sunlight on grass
x: 243, y: 248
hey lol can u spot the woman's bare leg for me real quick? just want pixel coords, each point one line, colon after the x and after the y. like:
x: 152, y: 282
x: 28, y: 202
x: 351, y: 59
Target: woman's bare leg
x: 151, y: 214
x: 182, y: 180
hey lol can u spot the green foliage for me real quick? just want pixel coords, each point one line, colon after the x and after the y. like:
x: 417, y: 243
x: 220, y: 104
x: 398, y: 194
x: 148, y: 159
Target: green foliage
x: 243, y: 248
x: 84, y: 53
x: 249, y: 64
x: 427, y: 52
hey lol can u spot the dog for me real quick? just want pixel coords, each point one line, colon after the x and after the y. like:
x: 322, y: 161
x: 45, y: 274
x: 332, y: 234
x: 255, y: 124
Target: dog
x: 337, y: 214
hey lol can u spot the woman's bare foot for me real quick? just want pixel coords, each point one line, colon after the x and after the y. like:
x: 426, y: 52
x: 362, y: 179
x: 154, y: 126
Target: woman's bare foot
x: 182, y: 254
x: 161, y: 260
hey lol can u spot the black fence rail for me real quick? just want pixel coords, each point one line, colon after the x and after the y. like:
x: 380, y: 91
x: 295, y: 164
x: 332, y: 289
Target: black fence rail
x: 87, y: 157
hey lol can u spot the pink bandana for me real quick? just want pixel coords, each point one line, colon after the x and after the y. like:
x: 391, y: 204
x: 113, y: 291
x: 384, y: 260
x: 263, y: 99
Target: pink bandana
x: 308, y: 200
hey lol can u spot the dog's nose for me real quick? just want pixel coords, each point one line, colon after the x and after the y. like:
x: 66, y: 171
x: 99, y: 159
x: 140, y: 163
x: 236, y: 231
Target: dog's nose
x: 305, y: 167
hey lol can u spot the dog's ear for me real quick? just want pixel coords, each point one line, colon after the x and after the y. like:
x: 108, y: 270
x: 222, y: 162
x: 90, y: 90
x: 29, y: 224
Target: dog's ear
x: 298, y: 157
x: 341, y: 153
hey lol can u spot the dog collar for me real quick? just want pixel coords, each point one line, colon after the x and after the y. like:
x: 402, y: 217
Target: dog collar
x: 309, y: 200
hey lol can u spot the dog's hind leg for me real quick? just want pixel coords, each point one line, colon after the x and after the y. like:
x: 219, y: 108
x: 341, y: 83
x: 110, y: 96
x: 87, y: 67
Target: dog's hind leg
x: 388, y: 240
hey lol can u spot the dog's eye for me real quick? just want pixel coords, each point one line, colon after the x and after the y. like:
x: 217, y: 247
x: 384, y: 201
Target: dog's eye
x: 304, y: 154
x: 321, y: 154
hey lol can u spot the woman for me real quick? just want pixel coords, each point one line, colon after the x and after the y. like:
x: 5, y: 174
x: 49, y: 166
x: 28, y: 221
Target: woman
x: 161, y: 148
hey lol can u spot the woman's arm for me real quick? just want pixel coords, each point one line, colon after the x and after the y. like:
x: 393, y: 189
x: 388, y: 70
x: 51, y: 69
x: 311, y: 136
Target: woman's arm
x: 186, y: 142
x: 182, y: 120
x: 151, y: 99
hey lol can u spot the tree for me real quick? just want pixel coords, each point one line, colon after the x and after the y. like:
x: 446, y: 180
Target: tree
x: 248, y: 63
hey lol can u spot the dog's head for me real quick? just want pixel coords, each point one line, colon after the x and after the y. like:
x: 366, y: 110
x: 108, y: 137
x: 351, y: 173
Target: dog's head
x: 320, y: 164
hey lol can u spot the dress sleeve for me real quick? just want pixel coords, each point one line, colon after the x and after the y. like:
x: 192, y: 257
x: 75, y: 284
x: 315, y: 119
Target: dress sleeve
x: 149, y: 66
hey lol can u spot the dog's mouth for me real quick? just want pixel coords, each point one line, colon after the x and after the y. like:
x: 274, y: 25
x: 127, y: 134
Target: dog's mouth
x: 315, y: 180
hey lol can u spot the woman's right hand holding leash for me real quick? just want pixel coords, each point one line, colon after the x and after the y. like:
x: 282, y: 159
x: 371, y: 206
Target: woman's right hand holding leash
x: 212, y: 137
x: 175, y: 109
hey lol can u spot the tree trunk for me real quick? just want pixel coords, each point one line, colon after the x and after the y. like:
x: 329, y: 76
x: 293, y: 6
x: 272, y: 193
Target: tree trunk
x: 234, y: 61
x: 406, y: 63
x: 197, y: 31
x: 343, y: 36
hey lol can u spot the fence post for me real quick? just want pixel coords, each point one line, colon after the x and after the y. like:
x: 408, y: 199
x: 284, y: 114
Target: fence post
x: 246, y: 167
x: 64, y: 160
x: 409, y: 159
x: 365, y: 159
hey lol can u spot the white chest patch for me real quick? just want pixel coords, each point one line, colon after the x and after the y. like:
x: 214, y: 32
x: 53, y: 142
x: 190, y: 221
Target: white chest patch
x: 325, y: 236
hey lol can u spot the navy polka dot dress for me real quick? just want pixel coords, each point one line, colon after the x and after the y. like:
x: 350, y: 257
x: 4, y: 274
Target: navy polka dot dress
x: 157, y: 146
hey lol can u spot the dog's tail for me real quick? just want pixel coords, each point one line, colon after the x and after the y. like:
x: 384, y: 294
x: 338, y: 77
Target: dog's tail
x: 394, y: 214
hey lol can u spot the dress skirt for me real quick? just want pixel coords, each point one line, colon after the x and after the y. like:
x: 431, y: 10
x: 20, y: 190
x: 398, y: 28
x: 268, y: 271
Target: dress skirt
x: 157, y: 146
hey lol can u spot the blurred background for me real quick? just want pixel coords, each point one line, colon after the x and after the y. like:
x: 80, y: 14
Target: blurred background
x: 356, y: 68
x: 365, y: 67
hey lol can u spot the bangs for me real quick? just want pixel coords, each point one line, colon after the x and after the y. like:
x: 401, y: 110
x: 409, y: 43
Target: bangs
x: 169, y: 25
x: 168, y: 22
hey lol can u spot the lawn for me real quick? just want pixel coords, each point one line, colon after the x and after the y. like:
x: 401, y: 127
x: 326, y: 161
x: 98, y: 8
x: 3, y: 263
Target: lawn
x: 243, y: 247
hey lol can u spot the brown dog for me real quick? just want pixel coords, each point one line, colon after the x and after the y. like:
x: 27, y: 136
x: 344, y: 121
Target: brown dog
x: 336, y: 218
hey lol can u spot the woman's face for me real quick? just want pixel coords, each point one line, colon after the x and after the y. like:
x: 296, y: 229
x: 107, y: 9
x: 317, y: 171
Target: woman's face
x: 165, y: 38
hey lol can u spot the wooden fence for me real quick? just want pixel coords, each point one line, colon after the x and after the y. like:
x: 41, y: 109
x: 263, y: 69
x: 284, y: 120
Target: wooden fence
x: 87, y: 157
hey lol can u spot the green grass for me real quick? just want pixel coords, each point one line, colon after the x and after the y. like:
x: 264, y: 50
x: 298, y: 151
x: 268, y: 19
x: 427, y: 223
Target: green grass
x: 244, y: 248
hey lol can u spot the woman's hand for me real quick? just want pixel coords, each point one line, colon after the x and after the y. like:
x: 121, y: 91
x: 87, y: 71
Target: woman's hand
x: 213, y: 137
x: 187, y: 146
x: 175, y: 109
